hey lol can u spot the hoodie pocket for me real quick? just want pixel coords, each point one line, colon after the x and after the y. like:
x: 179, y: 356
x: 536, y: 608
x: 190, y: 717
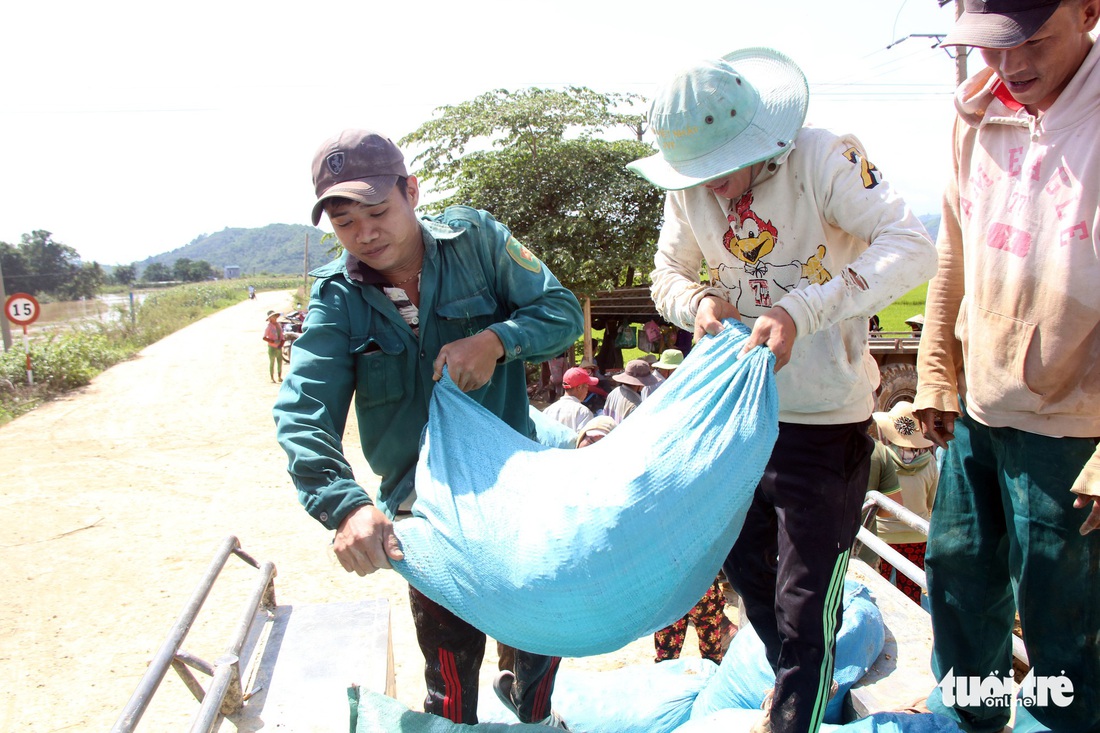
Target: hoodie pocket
x: 996, y: 352
x: 378, y: 367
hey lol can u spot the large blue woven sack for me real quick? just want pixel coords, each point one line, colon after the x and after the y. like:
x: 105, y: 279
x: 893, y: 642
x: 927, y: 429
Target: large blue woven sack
x: 373, y: 712
x: 580, y: 552
x: 745, y: 675
x: 550, y: 432
x: 742, y: 721
x: 640, y: 698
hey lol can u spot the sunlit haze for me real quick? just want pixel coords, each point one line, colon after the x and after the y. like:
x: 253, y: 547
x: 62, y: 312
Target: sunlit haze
x: 131, y: 128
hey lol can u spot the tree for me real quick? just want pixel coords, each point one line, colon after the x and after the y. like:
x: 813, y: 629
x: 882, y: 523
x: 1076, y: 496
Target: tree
x: 16, y: 271
x: 200, y: 270
x: 562, y: 190
x: 156, y: 272
x: 124, y: 274
x: 192, y: 271
x: 47, y: 266
x: 40, y: 265
x: 85, y: 283
x: 181, y: 269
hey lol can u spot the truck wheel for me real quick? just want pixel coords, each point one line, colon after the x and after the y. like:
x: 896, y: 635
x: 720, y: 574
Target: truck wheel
x: 899, y: 383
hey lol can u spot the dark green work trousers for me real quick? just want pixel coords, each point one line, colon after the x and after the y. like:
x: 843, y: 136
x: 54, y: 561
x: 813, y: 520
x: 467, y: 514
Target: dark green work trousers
x: 1004, y: 537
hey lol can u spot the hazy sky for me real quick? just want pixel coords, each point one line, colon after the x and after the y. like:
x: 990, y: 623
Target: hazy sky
x: 129, y: 128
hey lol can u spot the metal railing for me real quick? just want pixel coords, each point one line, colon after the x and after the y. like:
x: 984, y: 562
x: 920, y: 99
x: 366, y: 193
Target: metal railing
x: 903, y: 565
x: 224, y: 696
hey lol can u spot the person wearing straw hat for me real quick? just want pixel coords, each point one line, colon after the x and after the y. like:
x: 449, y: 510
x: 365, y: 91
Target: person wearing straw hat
x: 410, y: 297
x: 1009, y: 365
x: 595, y: 430
x: 803, y: 239
x: 918, y: 475
x: 273, y: 337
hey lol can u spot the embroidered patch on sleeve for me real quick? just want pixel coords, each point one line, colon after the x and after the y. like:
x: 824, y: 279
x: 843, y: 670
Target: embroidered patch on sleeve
x: 522, y: 255
x: 867, y: 170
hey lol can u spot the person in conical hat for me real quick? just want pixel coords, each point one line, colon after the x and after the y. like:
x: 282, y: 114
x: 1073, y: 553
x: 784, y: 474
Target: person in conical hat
x: 802, y: 237
x: 273, y: 337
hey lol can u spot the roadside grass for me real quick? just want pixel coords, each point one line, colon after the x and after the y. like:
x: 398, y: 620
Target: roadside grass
x: 69, y: 356
x: 892, y: 317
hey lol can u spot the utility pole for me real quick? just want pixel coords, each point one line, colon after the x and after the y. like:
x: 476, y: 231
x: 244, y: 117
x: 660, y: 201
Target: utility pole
x: 960, y: 51
x: 305, y: 270
x: 4, y: 326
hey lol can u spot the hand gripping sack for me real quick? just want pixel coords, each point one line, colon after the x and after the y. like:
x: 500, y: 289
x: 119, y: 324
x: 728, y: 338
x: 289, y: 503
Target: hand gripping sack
x: 580, y: 552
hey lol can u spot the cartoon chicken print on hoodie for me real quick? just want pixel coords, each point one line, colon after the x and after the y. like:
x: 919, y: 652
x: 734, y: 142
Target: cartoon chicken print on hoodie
x: 751, y: 239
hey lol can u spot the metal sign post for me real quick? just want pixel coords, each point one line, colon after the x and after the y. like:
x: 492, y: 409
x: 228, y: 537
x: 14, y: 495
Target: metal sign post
x: 22, y: 309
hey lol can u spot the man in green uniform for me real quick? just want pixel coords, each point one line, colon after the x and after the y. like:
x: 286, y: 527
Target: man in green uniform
x: 411, y: 297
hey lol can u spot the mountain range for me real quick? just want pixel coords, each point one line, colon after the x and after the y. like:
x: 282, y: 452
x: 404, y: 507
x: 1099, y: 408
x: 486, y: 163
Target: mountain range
x: 279, y: 249
x: 276, y: 249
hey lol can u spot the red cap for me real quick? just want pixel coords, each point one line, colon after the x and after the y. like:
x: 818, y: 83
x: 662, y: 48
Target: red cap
x: 576, y: 376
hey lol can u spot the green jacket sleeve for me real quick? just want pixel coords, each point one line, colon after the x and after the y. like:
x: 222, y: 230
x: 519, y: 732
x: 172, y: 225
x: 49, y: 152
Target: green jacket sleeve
x: 544, y: 317
x: 312, y: 407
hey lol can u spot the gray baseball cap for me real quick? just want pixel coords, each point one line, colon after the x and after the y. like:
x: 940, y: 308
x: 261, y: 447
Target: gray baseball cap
x: 361, y: 165
x: 999, y: 23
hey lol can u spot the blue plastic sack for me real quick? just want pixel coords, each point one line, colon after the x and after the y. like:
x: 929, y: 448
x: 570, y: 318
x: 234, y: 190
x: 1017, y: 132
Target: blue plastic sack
x: 745, y: 675
x: 741, y: 721
x: 376, y: 713
x: 641, y: 698
x: 580, y: 552
x: 551, y: 433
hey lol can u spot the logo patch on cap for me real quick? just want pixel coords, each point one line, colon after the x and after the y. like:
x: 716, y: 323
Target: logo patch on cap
x: 335, y: 163
x: 522, y: 255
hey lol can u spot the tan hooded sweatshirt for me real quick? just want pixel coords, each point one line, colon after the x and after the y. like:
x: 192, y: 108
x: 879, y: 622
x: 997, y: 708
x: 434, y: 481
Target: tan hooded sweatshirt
x: 1013, y: 316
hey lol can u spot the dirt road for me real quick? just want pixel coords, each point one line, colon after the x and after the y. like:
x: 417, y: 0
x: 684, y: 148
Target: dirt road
x: 115, y: 499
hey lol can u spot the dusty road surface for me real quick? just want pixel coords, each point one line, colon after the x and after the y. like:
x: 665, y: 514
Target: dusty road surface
x: 115, y: 499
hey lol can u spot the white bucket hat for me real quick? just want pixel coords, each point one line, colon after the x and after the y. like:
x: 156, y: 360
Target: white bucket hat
x: 723, y: 115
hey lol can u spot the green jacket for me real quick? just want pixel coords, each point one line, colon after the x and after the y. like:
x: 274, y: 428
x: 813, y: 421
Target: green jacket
x: 354, y: 343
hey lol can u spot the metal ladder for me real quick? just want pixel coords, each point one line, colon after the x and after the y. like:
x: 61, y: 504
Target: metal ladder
x: 224, y: 695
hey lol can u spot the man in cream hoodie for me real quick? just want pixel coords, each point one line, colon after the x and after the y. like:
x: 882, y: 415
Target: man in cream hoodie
x: 1009, y: 368
x: 803, y: 240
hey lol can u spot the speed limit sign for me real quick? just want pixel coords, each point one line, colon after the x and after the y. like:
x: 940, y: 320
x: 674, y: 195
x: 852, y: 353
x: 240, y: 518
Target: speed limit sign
x: 22, y: 309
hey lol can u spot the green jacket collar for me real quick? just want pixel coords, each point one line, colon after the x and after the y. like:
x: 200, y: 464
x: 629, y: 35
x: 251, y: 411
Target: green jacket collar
x: 432, y: 231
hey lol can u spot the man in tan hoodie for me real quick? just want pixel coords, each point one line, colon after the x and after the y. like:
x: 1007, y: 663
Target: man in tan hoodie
x: 1009, y: 371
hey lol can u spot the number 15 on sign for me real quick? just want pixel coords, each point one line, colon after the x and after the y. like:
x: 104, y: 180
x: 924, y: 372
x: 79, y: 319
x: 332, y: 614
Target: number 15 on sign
x: 22, y: 309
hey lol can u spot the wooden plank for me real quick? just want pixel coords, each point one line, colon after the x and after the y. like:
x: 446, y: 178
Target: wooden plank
x: 902, y: 673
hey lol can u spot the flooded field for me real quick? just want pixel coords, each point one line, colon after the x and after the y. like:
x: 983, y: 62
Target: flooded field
x: 101, y: 308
